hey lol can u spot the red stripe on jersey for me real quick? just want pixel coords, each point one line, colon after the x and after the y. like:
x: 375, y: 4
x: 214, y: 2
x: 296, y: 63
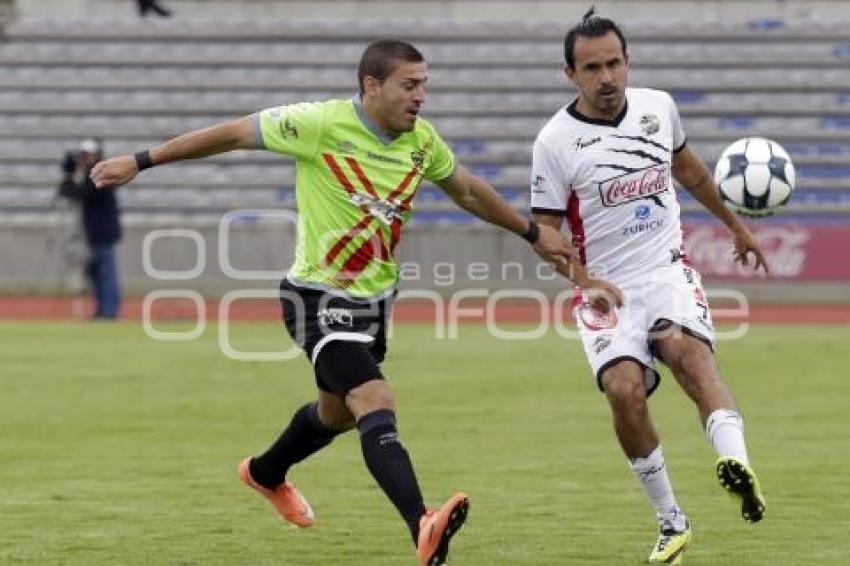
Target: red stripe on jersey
x: 355, y: 264
x: 395, y: 228
x: 337, y: 171
x: 361, y: 175
x: 350, y: 235
x: 395, y: 233
x: 683, y: 253
x: 404, y: 183
x: 576, y: 224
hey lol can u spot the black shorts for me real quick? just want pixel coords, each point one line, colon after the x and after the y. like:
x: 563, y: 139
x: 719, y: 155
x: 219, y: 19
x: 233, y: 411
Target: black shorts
x: 316, y: 319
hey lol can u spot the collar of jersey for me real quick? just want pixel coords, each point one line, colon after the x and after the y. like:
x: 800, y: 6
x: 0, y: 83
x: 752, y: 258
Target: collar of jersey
x: 368, y: 123
x: 571, y: 110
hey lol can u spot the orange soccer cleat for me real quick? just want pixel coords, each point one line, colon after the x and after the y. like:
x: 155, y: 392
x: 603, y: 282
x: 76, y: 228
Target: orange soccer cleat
x: 285, y: 498
x: 436, y: 528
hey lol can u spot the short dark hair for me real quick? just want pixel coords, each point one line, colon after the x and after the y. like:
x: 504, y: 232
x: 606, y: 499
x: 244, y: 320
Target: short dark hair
x: 591, y: 26
x: 380, y: 58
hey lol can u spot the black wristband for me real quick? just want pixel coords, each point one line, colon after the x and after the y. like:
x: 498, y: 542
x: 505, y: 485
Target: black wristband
x: 143, y: 160
x: 532, y: 234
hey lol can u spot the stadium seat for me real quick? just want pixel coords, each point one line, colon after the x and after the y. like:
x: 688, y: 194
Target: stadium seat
x: 492, y: 86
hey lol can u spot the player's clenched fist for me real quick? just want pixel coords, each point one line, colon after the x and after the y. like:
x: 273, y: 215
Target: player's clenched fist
x: 114, y: 172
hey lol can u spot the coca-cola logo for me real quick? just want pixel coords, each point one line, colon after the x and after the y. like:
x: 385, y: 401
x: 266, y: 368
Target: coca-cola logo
x: 635, y: 185
x: 783, y: 248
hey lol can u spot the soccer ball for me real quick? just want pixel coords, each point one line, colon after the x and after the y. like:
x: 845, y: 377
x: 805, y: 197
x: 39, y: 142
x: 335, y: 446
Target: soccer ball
x: 755, y: 176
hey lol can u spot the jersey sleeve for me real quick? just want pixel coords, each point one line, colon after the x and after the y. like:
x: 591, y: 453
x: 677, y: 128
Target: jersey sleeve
x: 442, y: 162
x: 293, y: 129
x: 679, y: 137
x: 548, y: 181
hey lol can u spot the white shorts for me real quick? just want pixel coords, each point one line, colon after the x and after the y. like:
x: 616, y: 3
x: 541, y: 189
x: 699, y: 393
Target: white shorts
x: 668, y: 294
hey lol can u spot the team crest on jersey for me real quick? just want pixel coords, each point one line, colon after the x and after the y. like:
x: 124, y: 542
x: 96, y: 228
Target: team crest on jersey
x: 418, y: 158
x: 650, y: 124
x: 646, y: 183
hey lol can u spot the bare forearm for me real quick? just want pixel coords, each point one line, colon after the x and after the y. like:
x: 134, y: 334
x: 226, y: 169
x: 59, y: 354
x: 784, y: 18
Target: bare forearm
x: 692, y: 173
x: 575, y: 272
x: 484, y: 202
x: 227, y: 136
x: 220, y: 138
x: 706, y: 193
x: 572, y: 269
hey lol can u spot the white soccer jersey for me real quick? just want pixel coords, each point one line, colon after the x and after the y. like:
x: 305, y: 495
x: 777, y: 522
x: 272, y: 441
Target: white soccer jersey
x: 612, y: 180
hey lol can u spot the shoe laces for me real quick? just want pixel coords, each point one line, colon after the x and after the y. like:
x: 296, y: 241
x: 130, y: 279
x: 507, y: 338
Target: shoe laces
x: 427, y: 516
x: 667, y: 527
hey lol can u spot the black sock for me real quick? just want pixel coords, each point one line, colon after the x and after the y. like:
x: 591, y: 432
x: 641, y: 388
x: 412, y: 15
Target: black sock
x: 390, y: 465
x: 304, y: 436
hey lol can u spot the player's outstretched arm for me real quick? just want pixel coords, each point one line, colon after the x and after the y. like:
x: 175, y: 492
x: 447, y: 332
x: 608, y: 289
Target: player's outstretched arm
x: 693, y: 174
x: 479, y: 198
x: 220, y: 138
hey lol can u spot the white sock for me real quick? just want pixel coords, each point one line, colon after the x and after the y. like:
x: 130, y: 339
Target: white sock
x: 725, y: 430
x: 652, y: 473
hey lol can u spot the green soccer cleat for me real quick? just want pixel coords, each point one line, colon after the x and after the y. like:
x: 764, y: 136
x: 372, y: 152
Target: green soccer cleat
x: 740, y: 481
x: 671, y: 544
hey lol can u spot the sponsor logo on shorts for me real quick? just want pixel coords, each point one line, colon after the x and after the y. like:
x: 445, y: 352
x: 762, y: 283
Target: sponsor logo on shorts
x: 593, y: 319
x: 601, y: 343
x: 335, y: 317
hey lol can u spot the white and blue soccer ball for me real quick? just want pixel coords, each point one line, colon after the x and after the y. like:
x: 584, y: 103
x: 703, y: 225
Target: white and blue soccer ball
x: 755, y: 176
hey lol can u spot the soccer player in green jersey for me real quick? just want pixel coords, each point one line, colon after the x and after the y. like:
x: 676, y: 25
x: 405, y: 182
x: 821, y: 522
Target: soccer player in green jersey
x: 359, y: 164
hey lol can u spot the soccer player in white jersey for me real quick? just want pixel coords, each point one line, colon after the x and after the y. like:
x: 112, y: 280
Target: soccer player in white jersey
x: 605, y: 162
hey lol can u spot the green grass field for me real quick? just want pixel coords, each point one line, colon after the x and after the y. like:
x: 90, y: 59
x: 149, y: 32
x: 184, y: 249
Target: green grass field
x: 117, y: 449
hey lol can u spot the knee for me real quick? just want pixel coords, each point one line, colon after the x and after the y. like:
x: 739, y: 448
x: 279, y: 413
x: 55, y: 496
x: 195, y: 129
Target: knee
x: 383, y: 398
x: 338, y: 419
x: 371, y: 396
x: 626, y: 392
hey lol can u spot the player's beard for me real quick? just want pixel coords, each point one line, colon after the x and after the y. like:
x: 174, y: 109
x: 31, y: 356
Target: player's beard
x: 609, y: 103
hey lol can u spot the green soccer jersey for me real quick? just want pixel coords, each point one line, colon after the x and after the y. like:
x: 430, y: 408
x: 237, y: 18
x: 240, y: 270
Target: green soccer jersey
x: 354, y: 187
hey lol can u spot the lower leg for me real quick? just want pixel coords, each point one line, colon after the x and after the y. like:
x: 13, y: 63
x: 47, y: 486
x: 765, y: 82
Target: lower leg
x: 626, y: 392
x: 725, y: 430
x: 305, y: 435
x: 694, y: 367
x: 390, y: 465
x: 383, y: 452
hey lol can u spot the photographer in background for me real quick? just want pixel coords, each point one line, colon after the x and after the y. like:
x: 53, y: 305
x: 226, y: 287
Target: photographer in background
x: 101, y: 224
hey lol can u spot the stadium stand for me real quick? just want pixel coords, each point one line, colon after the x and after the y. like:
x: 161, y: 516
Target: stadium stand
x: 492, y: 87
